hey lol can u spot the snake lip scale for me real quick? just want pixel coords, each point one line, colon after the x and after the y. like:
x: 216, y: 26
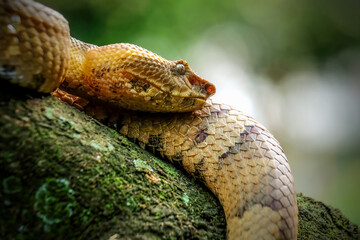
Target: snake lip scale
x: 235, y: 156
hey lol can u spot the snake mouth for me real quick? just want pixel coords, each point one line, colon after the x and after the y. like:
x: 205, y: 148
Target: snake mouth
x: 200, y: 99
x: 198, y: 93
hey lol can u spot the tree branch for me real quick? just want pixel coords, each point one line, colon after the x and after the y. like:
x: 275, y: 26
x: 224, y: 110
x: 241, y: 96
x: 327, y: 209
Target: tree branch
x: 65, y: 175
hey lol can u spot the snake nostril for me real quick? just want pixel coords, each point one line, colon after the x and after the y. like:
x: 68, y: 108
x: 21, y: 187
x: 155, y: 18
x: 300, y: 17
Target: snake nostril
x: 206, y: 88
x: 210, y: 90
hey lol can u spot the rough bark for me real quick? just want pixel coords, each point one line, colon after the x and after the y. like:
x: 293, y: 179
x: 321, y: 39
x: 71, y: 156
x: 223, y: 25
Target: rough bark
x: 66, y: 176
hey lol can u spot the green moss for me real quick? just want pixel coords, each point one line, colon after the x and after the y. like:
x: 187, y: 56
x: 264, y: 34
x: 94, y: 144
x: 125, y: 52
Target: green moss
x: 185, y: 197
x: 65, y: 122
x: 48, y: 113
x: 141, y: 165
x: 54, y: 201
x: 97, y: 146
x: 12, y: 185
x: 319, y: 221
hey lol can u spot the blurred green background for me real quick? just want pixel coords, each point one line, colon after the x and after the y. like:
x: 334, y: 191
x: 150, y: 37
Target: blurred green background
x: 293, y: 65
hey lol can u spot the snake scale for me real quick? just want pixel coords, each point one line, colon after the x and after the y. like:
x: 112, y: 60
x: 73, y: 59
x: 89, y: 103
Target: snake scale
x: 233, y: 154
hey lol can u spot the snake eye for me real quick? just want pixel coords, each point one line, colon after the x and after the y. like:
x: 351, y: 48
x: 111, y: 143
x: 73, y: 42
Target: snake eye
x: 180, y: 68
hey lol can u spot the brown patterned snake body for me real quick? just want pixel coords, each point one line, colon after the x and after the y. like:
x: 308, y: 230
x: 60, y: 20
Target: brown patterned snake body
x: 234, y: 155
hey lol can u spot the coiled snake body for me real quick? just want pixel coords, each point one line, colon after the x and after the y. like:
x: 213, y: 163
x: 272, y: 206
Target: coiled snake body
x: 234, y: 155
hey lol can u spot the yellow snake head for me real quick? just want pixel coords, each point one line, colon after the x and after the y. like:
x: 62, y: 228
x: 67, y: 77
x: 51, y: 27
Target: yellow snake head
x: 134, y: 78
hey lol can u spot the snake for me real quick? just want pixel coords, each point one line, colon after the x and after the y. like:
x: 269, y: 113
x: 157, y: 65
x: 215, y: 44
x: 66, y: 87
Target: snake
x: 165, y: 107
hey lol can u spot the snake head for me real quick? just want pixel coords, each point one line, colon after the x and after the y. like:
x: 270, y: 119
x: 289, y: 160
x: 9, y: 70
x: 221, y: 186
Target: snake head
x: 186, y: 83
x: 134, y: 78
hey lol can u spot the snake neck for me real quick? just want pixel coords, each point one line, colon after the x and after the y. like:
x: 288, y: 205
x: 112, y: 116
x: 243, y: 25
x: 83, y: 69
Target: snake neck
x: 78, y: 50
